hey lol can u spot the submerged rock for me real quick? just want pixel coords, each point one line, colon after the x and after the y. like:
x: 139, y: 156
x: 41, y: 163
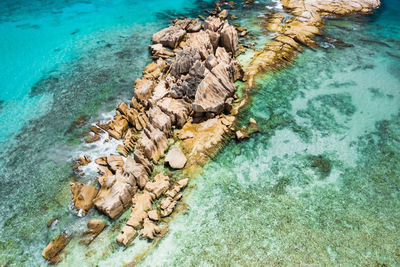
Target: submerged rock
x: 95, y: 227
x: 54, y: 248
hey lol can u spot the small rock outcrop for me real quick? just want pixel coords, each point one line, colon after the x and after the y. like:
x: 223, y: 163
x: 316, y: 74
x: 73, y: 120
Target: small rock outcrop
x: 175, y: 158
x: 83, y: 196
x: 95, y: 227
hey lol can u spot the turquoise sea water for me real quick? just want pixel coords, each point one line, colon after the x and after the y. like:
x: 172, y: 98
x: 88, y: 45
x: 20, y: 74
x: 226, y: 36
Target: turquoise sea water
x: 319, y: 185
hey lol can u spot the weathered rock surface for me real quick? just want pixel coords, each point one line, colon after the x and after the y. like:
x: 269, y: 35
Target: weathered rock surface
x: 126, y: 236
x: 214, y: 89
x: 158, y: 51
x: 169, y: 37
x: 177, y: 109
x: 82, y: 196
x: 213, y: 23
x: 153, y: 143
x: 189, y: 25
x: 141, y: 203
x: 201, y: 42
x: 177, y: 187
x: 143, y: 90
x: 159, y: 186
x: 116, y: 193
x: 150, y: 229
x: 115, y: 162
x: 53, y: 249
x: 175, y: 158
x: 153, y: 215
x: 117, y: 127
x: 229, y: 38
x: 184, y: 61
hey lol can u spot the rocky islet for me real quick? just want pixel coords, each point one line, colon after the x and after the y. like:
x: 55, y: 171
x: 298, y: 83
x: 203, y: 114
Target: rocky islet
x: 190, y: 95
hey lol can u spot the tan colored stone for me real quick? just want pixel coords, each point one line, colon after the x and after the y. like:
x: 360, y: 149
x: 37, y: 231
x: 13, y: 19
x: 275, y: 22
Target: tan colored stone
x: 159, y: 185
x: 115, y: 162
x: 153, y: 215
x: 127, y: 235
x: 95, y: 227
x: 169, y: 37
x: 53, y: 249
x: 83, y: 196
x: 150, y: 229
x: 175, y: 158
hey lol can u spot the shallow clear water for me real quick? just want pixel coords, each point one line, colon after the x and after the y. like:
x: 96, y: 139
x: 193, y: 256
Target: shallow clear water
x: 318, y: 185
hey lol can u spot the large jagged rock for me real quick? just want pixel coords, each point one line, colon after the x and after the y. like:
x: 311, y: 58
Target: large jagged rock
x: 159, y: 119
x: 168, y: 205
x: 214, y: 38
x: 159, y: 185
x: 229, y: 38
x: 141, y: 159
x: 116, y: 193
x: 177, y: 109
x: 184, y: 61
x: 158, y: 51
x: 159, y: 92
x: 135, y: 171
x: 169, y: 37
x: 150, y: 229
x: 143, y: 90
x: 201, y: 42
x: 175, y: 158
x: 95, y: 227
x: 216, y: 87
x: 153, y: 215
x: 117, y: 127
x: 189, y: 25
x: 129, y: 142
x: 153, y: 143
x: 208, y: 136
x: 82, y: 196
x: 213, y: 23
x: 115, y: 162
x: 189, y: 86
x: 53, y: 249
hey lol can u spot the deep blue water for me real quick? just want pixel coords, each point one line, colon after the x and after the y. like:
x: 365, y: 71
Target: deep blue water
x: 318, y: 185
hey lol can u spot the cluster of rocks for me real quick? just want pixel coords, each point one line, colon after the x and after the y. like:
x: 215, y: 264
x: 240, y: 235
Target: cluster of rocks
x: 188, y: 94
x: 301, y: 28
x: 189, y: 84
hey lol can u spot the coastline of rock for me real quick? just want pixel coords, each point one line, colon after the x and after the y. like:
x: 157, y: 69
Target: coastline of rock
x: 300, y: 29
x: 183, y: 109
